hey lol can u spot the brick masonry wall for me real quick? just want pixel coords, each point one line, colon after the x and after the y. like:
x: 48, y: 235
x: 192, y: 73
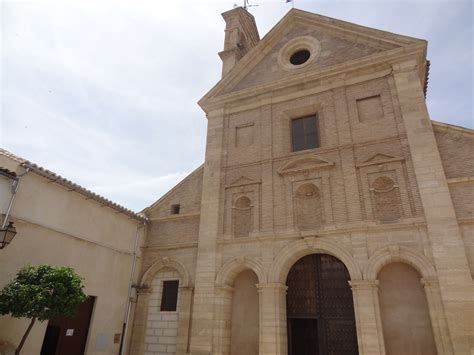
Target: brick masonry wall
x: 176, y: 230
x: 456, y: 151
x: 188, y: 196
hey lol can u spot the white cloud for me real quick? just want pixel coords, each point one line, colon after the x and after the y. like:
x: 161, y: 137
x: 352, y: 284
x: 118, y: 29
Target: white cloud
x: 104, y: 92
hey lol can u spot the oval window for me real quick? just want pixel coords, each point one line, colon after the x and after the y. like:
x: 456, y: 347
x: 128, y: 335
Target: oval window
x: 300, y: 57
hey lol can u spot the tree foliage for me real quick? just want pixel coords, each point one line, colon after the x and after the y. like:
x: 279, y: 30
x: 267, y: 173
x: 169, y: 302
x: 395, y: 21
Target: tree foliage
x: 42, y: 292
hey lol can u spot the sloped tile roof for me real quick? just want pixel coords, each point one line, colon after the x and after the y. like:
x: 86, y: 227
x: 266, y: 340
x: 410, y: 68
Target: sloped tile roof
x: 71, y: 186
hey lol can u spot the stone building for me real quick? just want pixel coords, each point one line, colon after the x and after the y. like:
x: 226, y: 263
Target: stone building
x: 331, y: 215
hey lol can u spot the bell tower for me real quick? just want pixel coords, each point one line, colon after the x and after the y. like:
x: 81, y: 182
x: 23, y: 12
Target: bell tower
x: 241, y: 35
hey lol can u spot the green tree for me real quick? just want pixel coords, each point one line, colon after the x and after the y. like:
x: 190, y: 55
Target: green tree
x: 41, y: 293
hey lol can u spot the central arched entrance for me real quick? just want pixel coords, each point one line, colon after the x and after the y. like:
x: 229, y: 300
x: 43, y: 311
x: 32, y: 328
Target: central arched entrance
x: 320, y: 308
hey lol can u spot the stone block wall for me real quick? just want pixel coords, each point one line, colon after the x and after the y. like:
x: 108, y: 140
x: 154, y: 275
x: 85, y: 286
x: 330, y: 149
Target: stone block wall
x: 162, y: 327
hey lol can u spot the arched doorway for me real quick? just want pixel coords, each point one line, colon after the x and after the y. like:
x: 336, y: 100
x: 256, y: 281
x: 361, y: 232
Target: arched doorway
x: 320, y: 308
x: 404, y: 311
x: 245, y: 315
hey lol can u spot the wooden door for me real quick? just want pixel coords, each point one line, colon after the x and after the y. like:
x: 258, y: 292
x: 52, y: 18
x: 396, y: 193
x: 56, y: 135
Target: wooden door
x: 68, y: 335
x: 320, y: 309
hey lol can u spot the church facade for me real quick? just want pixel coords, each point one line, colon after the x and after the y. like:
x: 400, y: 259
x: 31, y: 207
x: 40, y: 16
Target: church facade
x: 331, y: 215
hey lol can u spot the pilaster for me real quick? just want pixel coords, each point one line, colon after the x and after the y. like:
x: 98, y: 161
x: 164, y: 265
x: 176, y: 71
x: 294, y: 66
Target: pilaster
x: 349, y: 172
x: 185, y: 300
x: 222, y: 320
x: 202, y: 315
x: 267, y: 198
x: 367, y: 314
x: 437, y: 316
x: 273, y: 337
x: 455, y: 281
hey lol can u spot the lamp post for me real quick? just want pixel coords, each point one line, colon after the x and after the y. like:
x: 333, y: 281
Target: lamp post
x: 7, y: 234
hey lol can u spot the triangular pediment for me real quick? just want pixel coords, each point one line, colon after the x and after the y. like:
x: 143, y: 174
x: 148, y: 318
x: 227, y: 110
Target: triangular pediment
x: 243, y: 180
x: 304, y: 165
x: 338, y: 43
x: 380, y: 158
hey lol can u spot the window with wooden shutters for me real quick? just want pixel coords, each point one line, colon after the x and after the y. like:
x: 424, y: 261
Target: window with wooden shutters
x: 169, y: 296
x: 304, y: 133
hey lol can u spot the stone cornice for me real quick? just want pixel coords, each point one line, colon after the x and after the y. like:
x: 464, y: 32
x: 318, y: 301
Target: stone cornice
x: 324, y: 79
x: 382, y: 40
x: 448, y: 128
x: 170, y: 246
x: 364, y: 284
x: 461, y: 180
x: 333, y: 230
x: 174, y: 217
x: 316, y: 152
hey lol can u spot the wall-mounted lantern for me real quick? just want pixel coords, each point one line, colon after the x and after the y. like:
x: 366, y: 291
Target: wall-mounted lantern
x: 7, y: 234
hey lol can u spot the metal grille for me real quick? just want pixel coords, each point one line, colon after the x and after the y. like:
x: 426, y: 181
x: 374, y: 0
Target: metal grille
x: 318, y: 289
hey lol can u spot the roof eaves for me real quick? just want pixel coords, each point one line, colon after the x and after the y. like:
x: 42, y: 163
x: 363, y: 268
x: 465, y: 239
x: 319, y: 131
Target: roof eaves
x: 71, y: 186
x: 441, y: 126
x: 8, y: 174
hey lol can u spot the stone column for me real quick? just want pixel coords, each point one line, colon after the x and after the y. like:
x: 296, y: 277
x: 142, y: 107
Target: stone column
x: 202, y: 315
x: 184, y: 319
x: 223, y: 320
x: 438, y: 318
x: 137, y: 343
x: 449, y: 254
x: 272, y: 308
x: 367, y: 314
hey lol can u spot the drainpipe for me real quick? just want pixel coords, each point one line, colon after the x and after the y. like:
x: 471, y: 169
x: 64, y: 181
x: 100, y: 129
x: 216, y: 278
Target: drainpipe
x: 15, y: 186
x: 130, y: 287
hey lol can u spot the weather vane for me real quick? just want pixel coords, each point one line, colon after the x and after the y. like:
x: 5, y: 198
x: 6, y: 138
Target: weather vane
x: 247, y: 4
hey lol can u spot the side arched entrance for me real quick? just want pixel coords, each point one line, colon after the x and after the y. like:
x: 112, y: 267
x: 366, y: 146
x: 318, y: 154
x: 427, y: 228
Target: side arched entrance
x: 320, y: 308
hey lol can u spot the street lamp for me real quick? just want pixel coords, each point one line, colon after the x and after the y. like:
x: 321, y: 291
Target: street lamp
x: 7, y: 234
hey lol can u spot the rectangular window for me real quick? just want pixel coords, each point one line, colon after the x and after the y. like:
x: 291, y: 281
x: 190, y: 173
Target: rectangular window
x: 305, y: 133
x: 169, y: 296
x: 175, y: 209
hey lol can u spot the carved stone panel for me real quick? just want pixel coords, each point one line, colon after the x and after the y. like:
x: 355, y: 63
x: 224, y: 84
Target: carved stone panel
x: 308, y: 193
x: 384, y: 188
x: 242, y: 208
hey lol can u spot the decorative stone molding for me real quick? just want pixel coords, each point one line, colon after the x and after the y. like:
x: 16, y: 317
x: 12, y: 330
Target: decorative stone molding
x: 300, y: 43
x: 163, y: 263
x: 378, y: 159
x: 391, y: 254
x: 272, y: 285
x: 364, y: 284
x: 235, y: 266
x: 304, y: 165
x: 296, y: 250
x: 242, y: 181
x: 430, y: 282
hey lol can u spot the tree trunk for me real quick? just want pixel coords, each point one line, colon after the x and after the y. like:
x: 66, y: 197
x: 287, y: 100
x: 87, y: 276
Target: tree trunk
x: 22, y: 342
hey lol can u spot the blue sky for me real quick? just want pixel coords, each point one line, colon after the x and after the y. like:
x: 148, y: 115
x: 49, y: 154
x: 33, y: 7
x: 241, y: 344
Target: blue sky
x: 104, y: 92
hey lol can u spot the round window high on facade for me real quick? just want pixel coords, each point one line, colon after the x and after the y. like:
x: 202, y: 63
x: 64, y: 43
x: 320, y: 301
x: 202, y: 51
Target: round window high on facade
x: 299, y: 53
x: 300, y: 57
